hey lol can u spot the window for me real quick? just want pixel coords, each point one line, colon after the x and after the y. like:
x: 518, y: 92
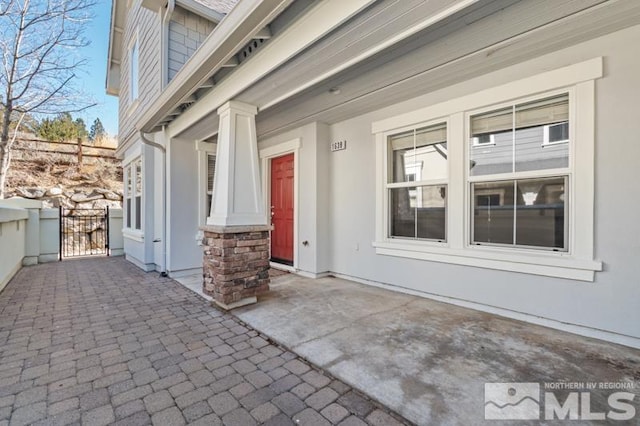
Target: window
x: 484, y: 139
x: 556, y: 133
x: 518, y: 185
x: 128, y: 195
x: 211, y: 170
x: 417, y: 186
x: 138, y: 194
x: 206, y: 171
x: 133, y: 71
x: 513, y: 184
x: 133, y: 194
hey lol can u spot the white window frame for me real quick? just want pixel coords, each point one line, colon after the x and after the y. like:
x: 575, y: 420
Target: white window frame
x: 417, y: 183
x: 204, y: 149
x: 129, y: 166
x: 578, y: 262
x: 519, y: 176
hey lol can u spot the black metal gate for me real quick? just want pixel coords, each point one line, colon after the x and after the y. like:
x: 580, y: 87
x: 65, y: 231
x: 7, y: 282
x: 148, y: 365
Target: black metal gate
x: 84, y: 232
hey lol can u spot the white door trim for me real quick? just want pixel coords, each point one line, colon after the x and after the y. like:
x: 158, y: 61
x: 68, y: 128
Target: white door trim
x: 266, y: 154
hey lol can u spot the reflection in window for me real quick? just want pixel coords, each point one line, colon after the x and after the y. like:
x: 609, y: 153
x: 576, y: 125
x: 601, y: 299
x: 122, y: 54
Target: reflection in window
x: 129, y: 195
x: 138, y: 193
x: 525, y: 212
x: 417, y: 183
x: 525, y: 137
x: 211, y: 169
x: 556, y: 133
x: 420, y: 217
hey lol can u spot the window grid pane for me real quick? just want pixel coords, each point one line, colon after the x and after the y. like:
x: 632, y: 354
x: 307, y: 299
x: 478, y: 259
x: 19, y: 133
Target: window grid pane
x: 524, y: 212
x: 418, y: 212
x: 520, y: 137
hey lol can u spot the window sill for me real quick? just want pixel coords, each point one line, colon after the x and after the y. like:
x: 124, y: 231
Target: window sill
x: 550, y: 264
x: 133, y: 234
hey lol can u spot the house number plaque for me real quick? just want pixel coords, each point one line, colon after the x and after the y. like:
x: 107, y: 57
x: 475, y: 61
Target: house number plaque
x: 338, y: 145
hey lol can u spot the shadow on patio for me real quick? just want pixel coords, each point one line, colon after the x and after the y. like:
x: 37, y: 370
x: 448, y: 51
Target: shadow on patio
x: 428, y: 360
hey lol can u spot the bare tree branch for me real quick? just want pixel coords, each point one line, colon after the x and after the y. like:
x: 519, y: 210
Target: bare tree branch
x: 39, y: 40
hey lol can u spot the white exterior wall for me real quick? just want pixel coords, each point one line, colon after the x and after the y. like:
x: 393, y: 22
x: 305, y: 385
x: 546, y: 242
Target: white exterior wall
x: 13, y: 226
x: 184, y: 254
x: 610, y: 303
x: 311, y: 195
x: 116, y: 242
x: 49, y: 233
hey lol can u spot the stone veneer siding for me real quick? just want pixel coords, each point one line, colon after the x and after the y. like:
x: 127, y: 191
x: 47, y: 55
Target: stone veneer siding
x: 236, y: 263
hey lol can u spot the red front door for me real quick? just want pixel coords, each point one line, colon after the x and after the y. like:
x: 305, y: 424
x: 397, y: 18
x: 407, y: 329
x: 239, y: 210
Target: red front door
x: 282, y: 209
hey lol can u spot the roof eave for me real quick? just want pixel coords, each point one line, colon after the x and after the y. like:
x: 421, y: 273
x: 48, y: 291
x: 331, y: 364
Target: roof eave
x: 244, y: 21
x: 109, y: 87
x: 201, y: 10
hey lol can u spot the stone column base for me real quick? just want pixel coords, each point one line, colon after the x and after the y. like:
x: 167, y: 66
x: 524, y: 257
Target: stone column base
x: 235, y: 264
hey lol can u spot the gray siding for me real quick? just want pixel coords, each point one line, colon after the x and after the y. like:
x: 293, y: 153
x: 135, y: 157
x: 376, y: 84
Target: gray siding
x: 145, y: 25
x: 186, y: 32
x: 530, y: 153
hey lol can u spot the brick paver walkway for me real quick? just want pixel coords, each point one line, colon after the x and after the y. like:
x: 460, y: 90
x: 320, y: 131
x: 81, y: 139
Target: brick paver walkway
x: 97, y: 341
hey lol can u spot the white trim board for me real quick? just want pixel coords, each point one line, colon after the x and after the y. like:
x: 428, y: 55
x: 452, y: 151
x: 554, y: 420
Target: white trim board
x: 577, y: 263
x: 268, y: 153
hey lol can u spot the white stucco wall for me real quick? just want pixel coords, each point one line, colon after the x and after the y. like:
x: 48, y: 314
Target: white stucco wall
x: 12, y: 242
x: 116, y: 242
x: 50, y: 235
x: 611, y: 302
x: 184, y: 255
x: 313, y: 174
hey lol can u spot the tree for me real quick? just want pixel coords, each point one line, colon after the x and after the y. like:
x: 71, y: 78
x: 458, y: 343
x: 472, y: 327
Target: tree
x: 97, y: 131
x: 62, y: 128
x: 81, y: 129
x: 38, y: 43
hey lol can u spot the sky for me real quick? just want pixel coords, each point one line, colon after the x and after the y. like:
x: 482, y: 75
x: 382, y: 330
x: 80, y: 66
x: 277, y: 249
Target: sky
x: 94, y: 77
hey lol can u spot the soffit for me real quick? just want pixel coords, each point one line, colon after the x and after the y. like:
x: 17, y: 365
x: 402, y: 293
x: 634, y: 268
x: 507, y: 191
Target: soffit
x: 467, y: 45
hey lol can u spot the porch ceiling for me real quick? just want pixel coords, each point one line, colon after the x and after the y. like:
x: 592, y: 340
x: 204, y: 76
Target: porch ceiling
x: 327, y: 37
x: 471, y: 43
x: 478, y: 39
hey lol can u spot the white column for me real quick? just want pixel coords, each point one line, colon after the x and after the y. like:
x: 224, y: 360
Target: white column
x: 237, y: 194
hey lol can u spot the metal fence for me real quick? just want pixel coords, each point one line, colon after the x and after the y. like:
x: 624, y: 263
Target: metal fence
x: 84, y: 232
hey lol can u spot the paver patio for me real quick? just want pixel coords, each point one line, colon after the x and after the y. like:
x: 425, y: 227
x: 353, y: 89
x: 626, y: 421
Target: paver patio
x: 98, y: 341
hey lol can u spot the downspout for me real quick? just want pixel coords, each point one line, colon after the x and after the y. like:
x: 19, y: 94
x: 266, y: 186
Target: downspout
x: 163, y: 150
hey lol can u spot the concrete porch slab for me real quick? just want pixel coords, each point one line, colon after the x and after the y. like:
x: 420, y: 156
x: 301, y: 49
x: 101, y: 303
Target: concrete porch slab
x: 428, y: 360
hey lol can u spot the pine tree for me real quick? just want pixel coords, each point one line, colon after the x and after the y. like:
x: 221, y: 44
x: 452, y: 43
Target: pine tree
x: 97, y: 131
x: 62, y: 128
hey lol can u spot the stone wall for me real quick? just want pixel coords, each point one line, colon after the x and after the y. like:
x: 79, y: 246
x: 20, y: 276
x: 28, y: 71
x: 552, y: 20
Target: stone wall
x: 236, y: 264
x: 71, y: 198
